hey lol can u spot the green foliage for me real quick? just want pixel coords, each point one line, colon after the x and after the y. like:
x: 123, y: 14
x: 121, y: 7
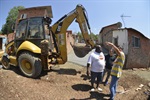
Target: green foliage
x: 80, y: 35
x: 11, y: 19
x: 92, y: 35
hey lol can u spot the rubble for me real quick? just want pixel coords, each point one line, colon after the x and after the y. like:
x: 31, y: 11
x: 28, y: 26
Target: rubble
x: 120, y: 89
x: 140, y: 87
x: 149, y: 84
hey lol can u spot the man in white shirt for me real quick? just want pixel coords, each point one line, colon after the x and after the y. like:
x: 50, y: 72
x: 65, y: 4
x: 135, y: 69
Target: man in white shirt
x: 95, y: 66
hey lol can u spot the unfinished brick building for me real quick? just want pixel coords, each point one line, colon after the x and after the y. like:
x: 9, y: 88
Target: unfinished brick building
x: 35, y: 11
x: 135, y: 45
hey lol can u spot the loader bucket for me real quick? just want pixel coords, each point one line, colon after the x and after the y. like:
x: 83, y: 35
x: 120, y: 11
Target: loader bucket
x: 81, y: 51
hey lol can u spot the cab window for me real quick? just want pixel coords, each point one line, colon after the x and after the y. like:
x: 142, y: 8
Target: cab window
x: 21, y: 29
x: 35, y: 28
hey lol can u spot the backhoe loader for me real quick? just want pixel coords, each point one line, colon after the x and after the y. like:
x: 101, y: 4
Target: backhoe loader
x: 37, y: 44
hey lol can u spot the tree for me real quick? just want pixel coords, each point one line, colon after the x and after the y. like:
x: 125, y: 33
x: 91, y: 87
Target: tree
x: 80, y: 37
x: 11, y: 19
x: 93, y: 36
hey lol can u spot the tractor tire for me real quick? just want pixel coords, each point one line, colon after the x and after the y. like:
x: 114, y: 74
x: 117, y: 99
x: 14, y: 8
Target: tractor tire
x: 5, y: 63
x: 29, y: 65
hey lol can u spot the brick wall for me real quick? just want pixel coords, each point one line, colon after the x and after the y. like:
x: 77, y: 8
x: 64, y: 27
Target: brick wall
x: 106, y: 32
x: 10, y: 37
x: 107, y: 37
x: 138, y: 57
x: 40, y: 11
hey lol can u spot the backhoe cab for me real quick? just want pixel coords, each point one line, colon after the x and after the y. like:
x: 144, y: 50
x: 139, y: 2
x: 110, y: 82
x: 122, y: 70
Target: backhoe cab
x: 37, y: 45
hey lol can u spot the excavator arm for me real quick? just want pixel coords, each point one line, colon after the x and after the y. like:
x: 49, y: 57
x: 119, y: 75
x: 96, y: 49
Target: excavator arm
x: 59, y: 33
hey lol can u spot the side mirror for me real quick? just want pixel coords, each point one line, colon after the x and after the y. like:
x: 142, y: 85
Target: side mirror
x: 48, y: 20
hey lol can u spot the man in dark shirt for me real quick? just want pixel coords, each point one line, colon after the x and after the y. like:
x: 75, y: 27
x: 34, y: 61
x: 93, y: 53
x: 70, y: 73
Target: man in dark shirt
x: 109, y: 58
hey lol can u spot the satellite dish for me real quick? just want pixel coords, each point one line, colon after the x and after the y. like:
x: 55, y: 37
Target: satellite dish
x: 119, y: 24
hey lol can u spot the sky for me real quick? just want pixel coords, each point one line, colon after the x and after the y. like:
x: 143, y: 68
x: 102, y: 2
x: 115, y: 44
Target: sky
x: 101, y: 13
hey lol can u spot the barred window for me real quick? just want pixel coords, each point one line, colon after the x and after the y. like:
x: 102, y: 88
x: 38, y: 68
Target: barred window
x: 135, y: 41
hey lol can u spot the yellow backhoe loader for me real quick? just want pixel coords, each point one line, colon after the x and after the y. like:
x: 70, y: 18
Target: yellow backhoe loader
x: 37, y: 44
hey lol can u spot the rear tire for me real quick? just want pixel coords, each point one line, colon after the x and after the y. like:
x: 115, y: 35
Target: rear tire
x: 29, y: 65
x: 5, y: 63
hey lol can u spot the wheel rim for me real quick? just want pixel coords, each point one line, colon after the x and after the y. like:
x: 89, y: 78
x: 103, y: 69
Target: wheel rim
x: 26, y: 66
x: 5, y: 63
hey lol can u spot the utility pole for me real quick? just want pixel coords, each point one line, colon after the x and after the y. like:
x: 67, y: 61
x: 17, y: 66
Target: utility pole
x: 122, y: 17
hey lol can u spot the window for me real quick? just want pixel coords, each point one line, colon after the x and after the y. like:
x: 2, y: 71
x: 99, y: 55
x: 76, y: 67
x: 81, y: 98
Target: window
x: 35, y: 29
x: 135, y: 41
x: 21, y: 29
x: 23, y: 16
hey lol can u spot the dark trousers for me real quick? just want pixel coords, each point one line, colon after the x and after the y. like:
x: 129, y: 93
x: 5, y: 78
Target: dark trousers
x: 108, y: 71
x: 94, y: 76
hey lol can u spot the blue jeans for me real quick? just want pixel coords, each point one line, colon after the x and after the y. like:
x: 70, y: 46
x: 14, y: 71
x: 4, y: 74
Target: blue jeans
x: 113, y: 86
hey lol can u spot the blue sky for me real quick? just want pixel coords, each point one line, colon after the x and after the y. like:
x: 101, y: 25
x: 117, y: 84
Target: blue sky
x: 101, y: 13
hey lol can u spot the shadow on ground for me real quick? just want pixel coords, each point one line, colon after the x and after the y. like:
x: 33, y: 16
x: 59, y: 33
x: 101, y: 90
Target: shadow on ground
x: 85, y: 77
x: 95, y: 96
x: 81, y: 87
x: 43, y: 73
x: 68, y: 71
x: 16, y: 70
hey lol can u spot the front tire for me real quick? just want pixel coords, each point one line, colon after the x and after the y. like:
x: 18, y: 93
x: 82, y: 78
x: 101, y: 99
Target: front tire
x: 29, y: 65
x: 5, y: 63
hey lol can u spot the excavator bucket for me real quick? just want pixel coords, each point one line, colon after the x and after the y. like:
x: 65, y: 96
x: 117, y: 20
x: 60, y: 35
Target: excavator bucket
x: 81, y: 51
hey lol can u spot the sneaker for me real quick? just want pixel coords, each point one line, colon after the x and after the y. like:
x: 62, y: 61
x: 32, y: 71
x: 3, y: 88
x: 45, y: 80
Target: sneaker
x: 92, y: 89
x: 99, y: 89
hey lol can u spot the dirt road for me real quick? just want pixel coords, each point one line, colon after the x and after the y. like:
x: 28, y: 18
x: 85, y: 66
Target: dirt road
x: 67, y: 82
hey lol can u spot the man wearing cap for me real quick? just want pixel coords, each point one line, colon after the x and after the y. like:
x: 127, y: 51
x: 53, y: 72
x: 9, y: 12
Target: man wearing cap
x: 95, y: 67
x: 116, y: 71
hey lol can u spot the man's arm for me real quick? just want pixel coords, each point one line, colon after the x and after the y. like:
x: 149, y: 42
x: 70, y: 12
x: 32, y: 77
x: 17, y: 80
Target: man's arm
x: 115, y: 48
x: 88, y: 69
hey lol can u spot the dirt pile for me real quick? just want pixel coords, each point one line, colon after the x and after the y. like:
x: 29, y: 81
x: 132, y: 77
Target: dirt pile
x: 66, y: 82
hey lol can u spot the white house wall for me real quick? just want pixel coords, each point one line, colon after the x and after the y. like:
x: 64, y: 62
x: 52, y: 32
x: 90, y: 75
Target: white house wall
x: 4, y: 39
x: 122, y: 39
x: 3, y: 43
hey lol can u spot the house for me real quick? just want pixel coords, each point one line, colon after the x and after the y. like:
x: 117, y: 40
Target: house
x: 135, y: 45
x: 105, y: 30
x: 3, y: 40
x: 40, y: 11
